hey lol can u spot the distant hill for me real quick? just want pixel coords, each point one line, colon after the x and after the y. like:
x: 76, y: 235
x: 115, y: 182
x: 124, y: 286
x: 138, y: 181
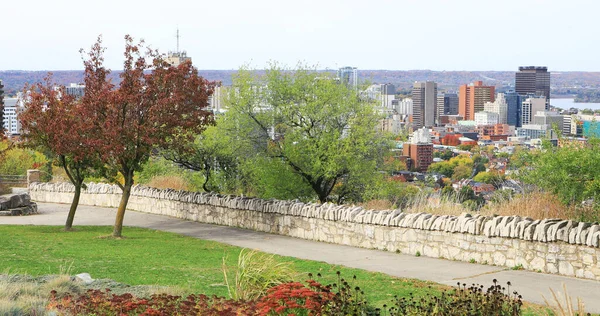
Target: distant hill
x: 562, y: 82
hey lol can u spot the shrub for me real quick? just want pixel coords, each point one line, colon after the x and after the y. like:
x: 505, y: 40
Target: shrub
x: 255, y: 273
x: 96, y: 302
x: 473, y: 300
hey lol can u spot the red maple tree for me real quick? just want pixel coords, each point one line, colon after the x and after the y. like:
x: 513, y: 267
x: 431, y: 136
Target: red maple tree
x: 156, y: 105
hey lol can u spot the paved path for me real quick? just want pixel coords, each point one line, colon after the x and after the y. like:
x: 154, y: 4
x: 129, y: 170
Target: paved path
x: 529, y: 284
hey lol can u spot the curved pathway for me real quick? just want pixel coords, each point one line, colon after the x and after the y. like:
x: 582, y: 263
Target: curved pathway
x: 529, y: 284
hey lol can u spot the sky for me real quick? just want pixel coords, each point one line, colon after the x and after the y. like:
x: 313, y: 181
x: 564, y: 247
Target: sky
x: 367, y: 34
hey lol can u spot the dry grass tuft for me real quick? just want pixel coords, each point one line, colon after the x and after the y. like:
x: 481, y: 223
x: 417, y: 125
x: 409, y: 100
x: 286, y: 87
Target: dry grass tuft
x: 30, y: 298
x: 435, y: 205
x: 169, y: 182
x: 566, y: 307
x: 537, y: 205
x: 377, y: 205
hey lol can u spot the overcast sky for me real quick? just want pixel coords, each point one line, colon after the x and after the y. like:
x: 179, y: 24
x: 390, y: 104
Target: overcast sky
x: 368, y: 34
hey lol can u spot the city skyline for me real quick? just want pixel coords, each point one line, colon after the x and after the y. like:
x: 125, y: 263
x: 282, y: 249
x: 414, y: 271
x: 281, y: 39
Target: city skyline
x: 402, y: 35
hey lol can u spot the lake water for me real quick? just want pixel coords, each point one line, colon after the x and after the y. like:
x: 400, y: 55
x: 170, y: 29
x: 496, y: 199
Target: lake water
x: 566, y: 104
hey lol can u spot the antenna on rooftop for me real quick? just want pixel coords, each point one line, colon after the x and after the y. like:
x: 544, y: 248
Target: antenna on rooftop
x: 178, y: 39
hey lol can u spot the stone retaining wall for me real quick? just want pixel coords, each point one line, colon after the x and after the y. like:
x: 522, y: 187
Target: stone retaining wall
x: 550, y: 245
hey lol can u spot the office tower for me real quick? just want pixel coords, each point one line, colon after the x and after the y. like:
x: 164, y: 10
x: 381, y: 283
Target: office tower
x: 472, y: 97
x: 499, y: 106
x: 551, y: 119
x: 404, y: 106
x: 447, y: 104
x: 348, y: 76
x: 533, y: 80
x: 10, y: 112
x: 486, y: 118
x: 513, y: 108
x: 530, y: 107
x: 424, y: 97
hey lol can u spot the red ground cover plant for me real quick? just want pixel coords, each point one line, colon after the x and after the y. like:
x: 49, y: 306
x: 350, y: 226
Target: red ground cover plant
x: 295, y: 298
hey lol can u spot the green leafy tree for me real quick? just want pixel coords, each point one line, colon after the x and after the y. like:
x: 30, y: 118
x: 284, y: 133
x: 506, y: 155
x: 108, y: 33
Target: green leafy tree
x: 461, y: 171
x: 571, y: 171
x: 491, y: 177
x: 318, y: 128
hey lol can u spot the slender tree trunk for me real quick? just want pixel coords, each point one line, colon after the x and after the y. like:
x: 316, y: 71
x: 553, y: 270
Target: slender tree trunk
x: 122, y: 207
x: 73, y: 209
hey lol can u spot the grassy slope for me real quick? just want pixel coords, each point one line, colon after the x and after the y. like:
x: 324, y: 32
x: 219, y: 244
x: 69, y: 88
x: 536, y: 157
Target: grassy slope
x: 160, y: 258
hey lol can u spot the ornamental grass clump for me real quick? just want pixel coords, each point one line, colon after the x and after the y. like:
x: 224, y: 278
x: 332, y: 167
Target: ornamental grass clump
x: 255, y: 273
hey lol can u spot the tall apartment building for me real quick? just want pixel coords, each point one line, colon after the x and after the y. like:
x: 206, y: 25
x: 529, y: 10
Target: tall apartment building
x: 404, y: 106
x: 348, y: 76
x: 11, y: 109
x: 424, y: 95
x: 533, y: 80
x: 420, y: 150
x: 447, y: 104
x: 530, y: 107
x: 514, y: 102
x: 499, y: 106
x: 1, y: 102
x: 472, y: 98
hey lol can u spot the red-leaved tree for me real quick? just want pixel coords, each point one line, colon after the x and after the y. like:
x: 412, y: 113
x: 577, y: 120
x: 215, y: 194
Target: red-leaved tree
x: 155, y: 106
x: 55, y: 122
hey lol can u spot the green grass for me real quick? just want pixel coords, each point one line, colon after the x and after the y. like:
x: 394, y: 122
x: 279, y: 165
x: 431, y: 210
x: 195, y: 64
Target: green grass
x: 149, y: 257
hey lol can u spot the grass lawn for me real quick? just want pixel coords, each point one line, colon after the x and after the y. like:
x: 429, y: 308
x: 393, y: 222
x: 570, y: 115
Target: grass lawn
x: 149, y: 257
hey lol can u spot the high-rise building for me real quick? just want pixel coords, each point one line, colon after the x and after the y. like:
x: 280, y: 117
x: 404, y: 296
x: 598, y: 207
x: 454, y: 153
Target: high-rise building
x: 447, y: 104
x: 11, y: 109
x: 486, y: 118
x: 513, y: 108
x: 383, y: 94
x: 551, y: 119
x: 472, y: 97
x: 533, y: 80
x: 404, y: 106
x: 424, y: 95
x: 348, y: 76
x: 530, y: 107
x: 499, y: 106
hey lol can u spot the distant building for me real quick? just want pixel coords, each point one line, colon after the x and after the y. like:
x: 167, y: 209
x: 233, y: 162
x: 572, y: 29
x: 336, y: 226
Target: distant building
x: 530, y: 107
x: 447, y: 104
x: 486, y: 118
x: 514, y: 102
x: 76, y: 90
x: 177, y: 57
x: 348, y: 76
x: 214, y: 100
x: 12, y: 108
x: 404, y: 106
x: 424, y: 95
x: 499, y: 106
x: 472, y: 98
x: 419, y: 149
x: 549, y: 118
x: 2, y: 102
x: 534, y: 131
x: 533, y: 80
x: 383, y: 94
x: 572, y: 125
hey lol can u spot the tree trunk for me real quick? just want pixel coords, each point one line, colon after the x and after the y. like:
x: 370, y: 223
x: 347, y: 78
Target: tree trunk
x: 73, y: 209
x: 122, y: 207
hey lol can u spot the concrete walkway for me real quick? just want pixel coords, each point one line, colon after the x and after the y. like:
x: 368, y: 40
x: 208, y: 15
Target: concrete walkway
x: 529, y: 284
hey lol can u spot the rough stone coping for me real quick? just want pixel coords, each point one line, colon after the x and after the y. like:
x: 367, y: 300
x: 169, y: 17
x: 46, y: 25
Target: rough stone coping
x: 525, y: 228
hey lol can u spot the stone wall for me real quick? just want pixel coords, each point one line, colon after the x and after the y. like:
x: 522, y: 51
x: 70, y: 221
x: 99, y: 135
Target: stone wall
x: 550, y: 245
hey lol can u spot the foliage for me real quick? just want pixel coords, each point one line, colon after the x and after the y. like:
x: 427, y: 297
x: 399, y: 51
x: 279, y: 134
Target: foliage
x: 461, y: 164
x: 97, y: 302
x: 473, y: 300
x: 155, y: 106
x: 308, y: 121
x: 491, y: 177
x: 295, y: 298
x: 255, y: 273
x: 16, y: 160
x: 571, y: 171
x: 64, y: 127
x: 397, y: 193
x: 446, y: 154
x: 212, y: 154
